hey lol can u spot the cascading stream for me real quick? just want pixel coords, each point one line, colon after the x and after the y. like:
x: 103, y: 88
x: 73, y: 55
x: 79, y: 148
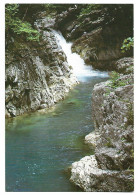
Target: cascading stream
x: 41, y: 146
x: 80, y: 70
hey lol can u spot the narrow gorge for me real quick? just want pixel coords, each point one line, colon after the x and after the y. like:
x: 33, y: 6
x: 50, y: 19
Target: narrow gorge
x: 69, y: 98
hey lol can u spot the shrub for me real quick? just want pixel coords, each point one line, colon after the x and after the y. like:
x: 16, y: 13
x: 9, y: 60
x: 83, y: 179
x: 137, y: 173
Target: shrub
x: 127, y: 44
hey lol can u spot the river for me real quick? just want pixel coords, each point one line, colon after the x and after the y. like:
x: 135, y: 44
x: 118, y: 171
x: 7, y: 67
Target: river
x: 40, y: 146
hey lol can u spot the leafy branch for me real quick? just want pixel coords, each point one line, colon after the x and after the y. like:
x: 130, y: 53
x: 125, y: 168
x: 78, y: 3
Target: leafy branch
x: 127, y: 44
x: 15, y: 25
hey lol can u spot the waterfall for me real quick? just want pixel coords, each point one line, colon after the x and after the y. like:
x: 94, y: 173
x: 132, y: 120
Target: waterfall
x: 80, y: 70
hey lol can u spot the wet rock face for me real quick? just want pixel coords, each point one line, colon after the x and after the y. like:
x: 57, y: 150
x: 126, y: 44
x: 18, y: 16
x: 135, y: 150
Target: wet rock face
x: 37, y: 75
x: 96, y: 50
x: 97, y: 36
x: 113, y: 164
x: 66, y: 21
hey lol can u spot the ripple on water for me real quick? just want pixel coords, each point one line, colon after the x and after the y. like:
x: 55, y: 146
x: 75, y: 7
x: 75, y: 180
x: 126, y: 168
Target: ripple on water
x: 40, y: 146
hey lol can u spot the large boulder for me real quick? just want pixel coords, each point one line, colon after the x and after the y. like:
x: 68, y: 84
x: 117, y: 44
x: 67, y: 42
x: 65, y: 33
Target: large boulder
x: 86, y: 174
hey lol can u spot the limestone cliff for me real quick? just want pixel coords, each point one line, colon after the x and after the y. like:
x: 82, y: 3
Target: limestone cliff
x: 37, y: 74
x: 111, y: 168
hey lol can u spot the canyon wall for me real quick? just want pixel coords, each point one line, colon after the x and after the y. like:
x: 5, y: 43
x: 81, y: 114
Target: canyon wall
x: 37, y: 73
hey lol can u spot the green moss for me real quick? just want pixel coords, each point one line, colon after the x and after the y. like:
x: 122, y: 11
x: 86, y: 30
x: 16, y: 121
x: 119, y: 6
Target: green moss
x: 107, y: 91
x: 123, y: 138
x: 115, y: 82
x: 109, y: 143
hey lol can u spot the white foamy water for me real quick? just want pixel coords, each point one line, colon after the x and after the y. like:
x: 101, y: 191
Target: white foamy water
x: 80, y: 70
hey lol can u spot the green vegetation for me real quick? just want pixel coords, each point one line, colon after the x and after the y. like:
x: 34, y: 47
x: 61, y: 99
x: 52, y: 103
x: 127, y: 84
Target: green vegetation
x: 107, y: 91
x: 127, y: 44
x: 88, y: 8
x: 123, y: 139
x: 114, y: 81
x: 16, y: 26
x: 19, y: 19
x: 109, y: 143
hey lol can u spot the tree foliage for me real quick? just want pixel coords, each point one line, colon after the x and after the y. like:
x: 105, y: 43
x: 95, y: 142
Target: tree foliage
x: 16, y: 26
x: 19, y: 18
x: 127, y: 44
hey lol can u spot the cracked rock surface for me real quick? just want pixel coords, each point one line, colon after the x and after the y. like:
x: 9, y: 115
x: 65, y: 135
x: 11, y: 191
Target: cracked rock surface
x: 37, y: 74
x: 111, y: 168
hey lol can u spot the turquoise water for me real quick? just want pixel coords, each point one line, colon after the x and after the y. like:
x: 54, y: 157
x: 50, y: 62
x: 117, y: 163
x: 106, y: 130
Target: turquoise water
x: 41, y: 146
